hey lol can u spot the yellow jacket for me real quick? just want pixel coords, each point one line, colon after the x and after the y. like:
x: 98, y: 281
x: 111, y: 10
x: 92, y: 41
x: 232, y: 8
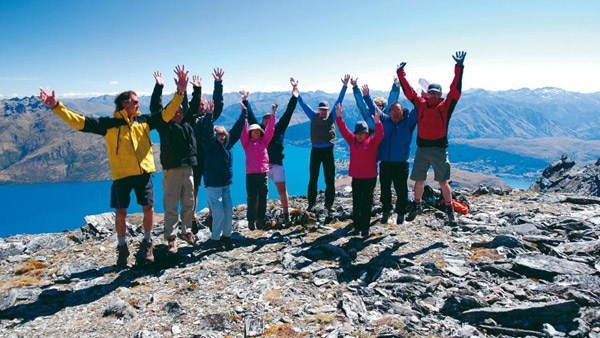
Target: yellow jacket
x: 127, y: 139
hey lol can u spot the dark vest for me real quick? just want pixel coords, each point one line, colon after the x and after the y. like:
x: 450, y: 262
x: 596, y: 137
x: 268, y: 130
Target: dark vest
x: 322, y: 131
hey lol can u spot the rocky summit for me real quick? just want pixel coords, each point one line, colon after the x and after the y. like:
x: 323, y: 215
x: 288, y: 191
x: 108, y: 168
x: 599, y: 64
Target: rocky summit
x: 565, y: 176
x: 519, y: 263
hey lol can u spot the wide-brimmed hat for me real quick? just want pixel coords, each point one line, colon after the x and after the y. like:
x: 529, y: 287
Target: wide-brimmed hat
x: 255, y: 127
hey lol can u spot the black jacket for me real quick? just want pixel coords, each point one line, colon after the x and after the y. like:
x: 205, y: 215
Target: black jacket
x: 194, y: 106
x: 177, y: 141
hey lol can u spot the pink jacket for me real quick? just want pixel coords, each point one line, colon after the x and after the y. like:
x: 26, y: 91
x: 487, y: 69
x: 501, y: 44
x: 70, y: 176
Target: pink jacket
x: 363, y: 156
x: 257, y: 157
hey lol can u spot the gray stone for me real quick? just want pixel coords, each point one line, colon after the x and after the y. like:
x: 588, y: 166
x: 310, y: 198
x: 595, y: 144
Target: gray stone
x: 120, y: 309
x: 354, y: 307
x: 11, y: 249
x: 520, y: 229
x: 83, y: 269
x: 8, y: 299
x: 506, y: 241
x: 527, y: 316
x: 254, y: 325
x: 546, y: 267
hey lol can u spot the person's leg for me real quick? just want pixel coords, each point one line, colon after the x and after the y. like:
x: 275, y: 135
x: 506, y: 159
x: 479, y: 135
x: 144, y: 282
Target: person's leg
x: 315, y: 164
x: 215, y: 198
x: 367, y: 186
x: 446, y: 192
x: 400, y: 179
x: 356, y: 197
x: 171, y: 194
x: 119, y: 199
x: 262, y: 186
x: 283, y: 194
x: 385, y: 180
x: 227, y: 211
x: 187, y: 204
x: 329, y: 173
x: 252, y: 192
x: 120, y: 224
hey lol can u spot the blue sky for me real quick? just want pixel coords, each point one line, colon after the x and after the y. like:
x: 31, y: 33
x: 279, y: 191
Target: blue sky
x: 84, y: 48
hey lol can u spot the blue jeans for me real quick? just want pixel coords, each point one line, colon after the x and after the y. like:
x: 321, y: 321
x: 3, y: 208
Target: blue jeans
x: 219, y: 199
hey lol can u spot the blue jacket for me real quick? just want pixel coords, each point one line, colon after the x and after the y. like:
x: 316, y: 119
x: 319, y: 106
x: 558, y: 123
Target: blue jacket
x: 362, y: 107
x: 218, y: 159
x: 395, y: 146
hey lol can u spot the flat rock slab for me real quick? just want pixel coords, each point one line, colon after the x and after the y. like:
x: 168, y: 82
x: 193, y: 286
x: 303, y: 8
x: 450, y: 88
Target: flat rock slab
x: 547, y: 267
x: 530, y: 316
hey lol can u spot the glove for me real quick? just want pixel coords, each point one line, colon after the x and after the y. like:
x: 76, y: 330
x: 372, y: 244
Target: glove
x: 400, y: 66
x: 460, y: 58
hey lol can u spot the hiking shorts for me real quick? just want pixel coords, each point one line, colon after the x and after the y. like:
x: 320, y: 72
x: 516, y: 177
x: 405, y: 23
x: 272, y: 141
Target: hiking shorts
x: 276, y: 173
x: 431, y: 156
x: 121, y: 189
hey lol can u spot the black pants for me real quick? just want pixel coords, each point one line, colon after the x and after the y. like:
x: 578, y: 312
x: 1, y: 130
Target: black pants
x: 397, y: 173
x: 318, y: 156
x: 257, y: 189
x: 362, y: 200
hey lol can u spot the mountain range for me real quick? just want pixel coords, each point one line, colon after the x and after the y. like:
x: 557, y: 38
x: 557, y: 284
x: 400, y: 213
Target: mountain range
x: 515, y: 132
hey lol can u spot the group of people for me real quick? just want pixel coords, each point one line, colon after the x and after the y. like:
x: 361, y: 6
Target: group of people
x: 192, y: 147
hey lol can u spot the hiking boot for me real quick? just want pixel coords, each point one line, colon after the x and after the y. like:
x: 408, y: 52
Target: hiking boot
x: 217, y: 245
x: 251, y: 226
x: 172, y: 247
x: 122, y: 257
x: 145, y: 251
x: 451, y: 216
x: 400, y: 219
x: 286, y: 216
x: 364, y: 232
x: 385, y: 217
x: 188, y: 237
x: 310, y: 207
x: 416, y: 210
x: 195, y: 225
x: 227, y: 242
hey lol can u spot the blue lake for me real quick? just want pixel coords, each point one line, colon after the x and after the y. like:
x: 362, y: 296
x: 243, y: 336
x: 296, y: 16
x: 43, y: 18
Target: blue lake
x: 54, y: 207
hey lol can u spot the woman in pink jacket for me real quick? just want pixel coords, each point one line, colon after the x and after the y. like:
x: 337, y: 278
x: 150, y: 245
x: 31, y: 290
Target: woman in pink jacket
x: 363, y: 166
x: 255, y: 141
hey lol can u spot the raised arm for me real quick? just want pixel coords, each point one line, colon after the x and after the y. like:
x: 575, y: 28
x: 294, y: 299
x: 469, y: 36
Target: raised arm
x: 456, y: 85
x: 270, y: 129
x: 368, y: 116
x: 244, y: 96
x: 406, y: 88
x: 340, y: 98
x: 193, y: 112
x: 156, y: 98
x: 283, y: 123
x: 236, y: 130
x: 208, y: 129
x: 339, y: 120
x: 169, y: 111
x: 78, y: 122
x: 378, y: 128
x: 218, y: 92
x: 394, y: 95
x: 360, y: 102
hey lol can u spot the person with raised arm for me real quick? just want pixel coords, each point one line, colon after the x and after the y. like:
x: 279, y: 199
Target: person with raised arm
x: 393, y: 154
x: 177, y: 156
x: 198, y: 106
x: 322, y: 137
x: 363, y: 166
x: 218, y: 174
x: 380, y: 102
x: 255, y: 141
x: 434, y: 115
x: 275, y: 149
x: 130, y: 156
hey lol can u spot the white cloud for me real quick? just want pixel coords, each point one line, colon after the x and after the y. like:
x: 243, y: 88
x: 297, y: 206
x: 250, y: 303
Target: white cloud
x: 112, y: 83
x: 7, y: 96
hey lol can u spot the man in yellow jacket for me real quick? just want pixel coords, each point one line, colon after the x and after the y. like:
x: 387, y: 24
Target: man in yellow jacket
x: 130, y: 155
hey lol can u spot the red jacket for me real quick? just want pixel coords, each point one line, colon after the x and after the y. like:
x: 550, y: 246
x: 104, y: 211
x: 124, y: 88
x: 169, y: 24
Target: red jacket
x: 363, y: 156
x: 433, y: 115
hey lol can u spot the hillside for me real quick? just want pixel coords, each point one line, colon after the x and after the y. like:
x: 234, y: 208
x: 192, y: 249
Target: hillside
x: 513, y: 133
x: 519, y: 264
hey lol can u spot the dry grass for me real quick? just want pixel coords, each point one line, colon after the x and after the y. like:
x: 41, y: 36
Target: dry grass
x: 272, y: 296
x: 20, y: 281
x: 485, y: 255
x: 321, y: 318
x: 30, y: 266
x: 282, y: 331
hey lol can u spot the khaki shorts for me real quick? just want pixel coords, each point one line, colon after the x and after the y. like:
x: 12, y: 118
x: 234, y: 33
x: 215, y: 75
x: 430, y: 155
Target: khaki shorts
x: 435, y: 157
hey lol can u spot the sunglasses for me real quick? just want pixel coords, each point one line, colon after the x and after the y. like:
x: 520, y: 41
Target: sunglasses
x: 134, y: 102
x: 221, y: 134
